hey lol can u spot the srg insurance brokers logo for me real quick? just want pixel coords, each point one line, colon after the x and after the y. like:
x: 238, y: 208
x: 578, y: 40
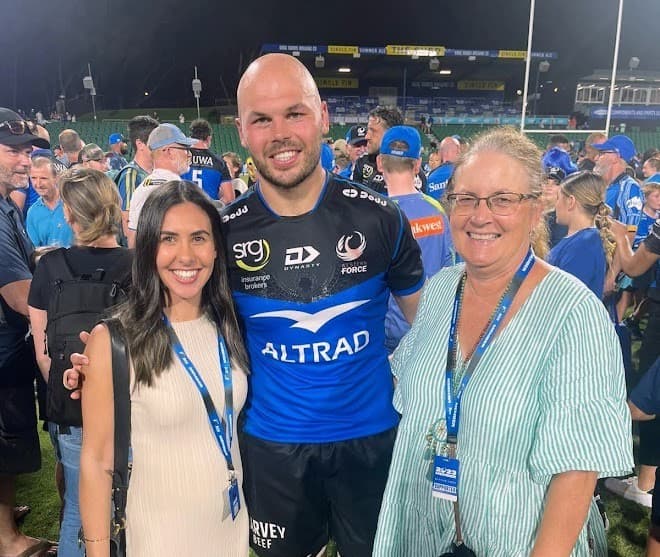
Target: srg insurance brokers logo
x: 252, y: 256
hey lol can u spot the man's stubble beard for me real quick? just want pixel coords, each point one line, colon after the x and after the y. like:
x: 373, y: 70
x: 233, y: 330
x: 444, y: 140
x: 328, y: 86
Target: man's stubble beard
x: 310, y: 163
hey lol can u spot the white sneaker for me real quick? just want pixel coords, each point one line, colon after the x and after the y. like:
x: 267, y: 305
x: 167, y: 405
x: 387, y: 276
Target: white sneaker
x: 628, y: 489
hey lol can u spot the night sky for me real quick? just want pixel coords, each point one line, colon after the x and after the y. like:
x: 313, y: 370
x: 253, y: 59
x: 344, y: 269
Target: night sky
x: 147, y: 45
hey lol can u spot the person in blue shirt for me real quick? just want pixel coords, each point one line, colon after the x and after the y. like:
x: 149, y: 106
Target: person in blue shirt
x: 118, y: 148
x: 623, y: 196
x: 588, y: 248
x: 557, y: 165
x: 644, y: 403
x: 207, y: 169
x: 399, y: 161
x: 449, y: 151
x: 45, y: 223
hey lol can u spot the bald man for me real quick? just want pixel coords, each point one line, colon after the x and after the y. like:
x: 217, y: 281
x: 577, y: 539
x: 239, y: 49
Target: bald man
x: 312, y: 261
x: 449, y: 151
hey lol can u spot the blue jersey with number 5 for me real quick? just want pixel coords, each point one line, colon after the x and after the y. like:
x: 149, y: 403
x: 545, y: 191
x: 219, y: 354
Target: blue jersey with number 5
x: 208, y: 171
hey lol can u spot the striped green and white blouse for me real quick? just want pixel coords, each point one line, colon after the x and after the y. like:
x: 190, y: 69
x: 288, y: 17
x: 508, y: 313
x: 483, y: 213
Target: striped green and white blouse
x: 547, y: 397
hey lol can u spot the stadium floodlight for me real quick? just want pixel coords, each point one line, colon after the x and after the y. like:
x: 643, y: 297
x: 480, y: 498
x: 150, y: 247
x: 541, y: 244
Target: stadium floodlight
x: 344, y: 69
x: 197, y: 89
x: 445, y: 72
x: 543, y: 67
x: 528, y: 61
x: 319, y: 61
x: 88, y: 83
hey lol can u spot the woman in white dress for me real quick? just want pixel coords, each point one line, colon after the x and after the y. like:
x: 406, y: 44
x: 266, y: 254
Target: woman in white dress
x: 185, y: 348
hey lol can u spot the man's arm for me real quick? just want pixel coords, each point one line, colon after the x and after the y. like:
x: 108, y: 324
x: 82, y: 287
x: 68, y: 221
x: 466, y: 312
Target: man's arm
x: 633, y: 263
x: 408, y: 305
x: 38, y: 321
x: 638, y: 414
x: 226, y: 193
x: 15, y: 294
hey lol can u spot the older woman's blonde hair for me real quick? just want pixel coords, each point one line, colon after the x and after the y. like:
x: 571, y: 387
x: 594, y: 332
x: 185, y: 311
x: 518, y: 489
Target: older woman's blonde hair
x: 511, y: 142
x: 93, y: 202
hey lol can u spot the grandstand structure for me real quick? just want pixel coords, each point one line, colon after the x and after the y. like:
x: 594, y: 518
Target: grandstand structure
x: 636, y: 97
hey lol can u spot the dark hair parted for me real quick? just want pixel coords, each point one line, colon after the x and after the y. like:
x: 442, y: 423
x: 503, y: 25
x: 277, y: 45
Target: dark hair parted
x: 139, y: 127
x: 142, y: 314
x: 389, y: 116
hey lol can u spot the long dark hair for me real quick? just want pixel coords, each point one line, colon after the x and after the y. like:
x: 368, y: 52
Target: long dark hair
x: 142, y: 314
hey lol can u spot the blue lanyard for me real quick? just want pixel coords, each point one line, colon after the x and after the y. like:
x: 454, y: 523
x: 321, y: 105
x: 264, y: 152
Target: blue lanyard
x: 453, y: 401
x: 218, y: 424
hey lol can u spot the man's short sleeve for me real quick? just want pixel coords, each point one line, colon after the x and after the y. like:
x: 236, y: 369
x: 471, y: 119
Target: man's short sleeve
x: 31, y: 226
x: 126, y: 184
x: 13, y: 267
x: 40, y: 286
x: 406, y: 273
x: 646, y: 395
x: 223, y: 169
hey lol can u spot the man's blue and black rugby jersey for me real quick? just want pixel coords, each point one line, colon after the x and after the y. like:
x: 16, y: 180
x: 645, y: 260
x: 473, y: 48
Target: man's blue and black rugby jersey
x: 312, y: 293
x: 208, y: 171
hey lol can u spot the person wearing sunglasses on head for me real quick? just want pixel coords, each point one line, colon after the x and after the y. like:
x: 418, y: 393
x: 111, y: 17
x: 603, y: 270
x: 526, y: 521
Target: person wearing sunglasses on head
x: 19, y: 443
x: 170, y: 151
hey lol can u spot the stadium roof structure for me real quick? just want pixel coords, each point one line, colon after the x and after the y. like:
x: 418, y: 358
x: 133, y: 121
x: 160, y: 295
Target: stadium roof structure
x: 622, y: 75
x: 385, y: 65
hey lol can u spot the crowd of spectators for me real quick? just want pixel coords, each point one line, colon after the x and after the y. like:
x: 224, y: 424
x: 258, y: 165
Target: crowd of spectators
x: 465, y: 219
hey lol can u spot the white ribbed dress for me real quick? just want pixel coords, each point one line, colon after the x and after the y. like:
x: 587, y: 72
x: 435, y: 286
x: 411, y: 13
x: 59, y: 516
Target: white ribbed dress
x: 548, y: 396
x: 175, y: 497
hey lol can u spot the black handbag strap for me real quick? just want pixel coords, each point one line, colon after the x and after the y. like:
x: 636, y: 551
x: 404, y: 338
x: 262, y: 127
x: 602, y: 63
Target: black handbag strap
x: 122, y: 435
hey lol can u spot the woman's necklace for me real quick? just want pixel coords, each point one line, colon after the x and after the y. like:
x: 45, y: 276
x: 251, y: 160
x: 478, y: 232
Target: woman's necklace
x: 436, y: 435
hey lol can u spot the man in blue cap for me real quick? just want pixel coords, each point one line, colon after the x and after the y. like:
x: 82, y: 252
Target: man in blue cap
x: 624, y: 196
x: 399, y: 161
x: 118, y: 148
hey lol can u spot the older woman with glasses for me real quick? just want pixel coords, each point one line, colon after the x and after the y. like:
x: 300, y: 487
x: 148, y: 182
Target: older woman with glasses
x: 510, y: 384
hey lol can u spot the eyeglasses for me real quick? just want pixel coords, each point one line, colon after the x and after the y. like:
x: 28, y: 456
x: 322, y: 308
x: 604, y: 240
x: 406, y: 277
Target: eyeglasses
x: 188, y: 153
x: 502, y: 204
x: 18, y: 127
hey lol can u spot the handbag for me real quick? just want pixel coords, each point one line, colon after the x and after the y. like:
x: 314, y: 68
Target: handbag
x: 122, y: 436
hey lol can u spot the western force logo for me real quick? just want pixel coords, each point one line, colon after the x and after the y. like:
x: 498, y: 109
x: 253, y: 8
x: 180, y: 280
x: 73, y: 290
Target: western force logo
x: 252, y: 256
x: 368, y: 170
x: 312, y: 322
x: 347, y: 250
x: 302, y: 255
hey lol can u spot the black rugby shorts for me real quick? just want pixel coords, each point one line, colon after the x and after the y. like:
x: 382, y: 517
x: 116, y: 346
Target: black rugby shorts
x: 299, y: 496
